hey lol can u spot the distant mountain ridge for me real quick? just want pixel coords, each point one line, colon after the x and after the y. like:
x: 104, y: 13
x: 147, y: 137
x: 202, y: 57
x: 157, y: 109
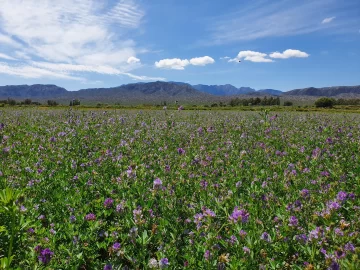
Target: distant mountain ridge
x: 33, y: 91
x: 324, y: 91
x: 161, y: 92
x: 223, y: 90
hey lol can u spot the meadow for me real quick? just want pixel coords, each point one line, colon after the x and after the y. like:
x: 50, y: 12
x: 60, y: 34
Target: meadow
x: 132, y: 189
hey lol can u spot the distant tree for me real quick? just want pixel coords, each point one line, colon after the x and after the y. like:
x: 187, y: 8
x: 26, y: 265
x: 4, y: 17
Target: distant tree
x: 277, y: 101
x: 288, y: 103
x: 52, y: 103
x: 214, y: 105
x: 11, y: 102
x: 27, y: 101
x: 324, y: 102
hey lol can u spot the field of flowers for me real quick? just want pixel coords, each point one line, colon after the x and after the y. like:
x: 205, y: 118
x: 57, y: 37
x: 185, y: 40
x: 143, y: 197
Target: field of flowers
x: 179, y: 190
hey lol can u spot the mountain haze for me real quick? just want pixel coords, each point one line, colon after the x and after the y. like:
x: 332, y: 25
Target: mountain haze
x: 324, y: 91
x: 160, y: 92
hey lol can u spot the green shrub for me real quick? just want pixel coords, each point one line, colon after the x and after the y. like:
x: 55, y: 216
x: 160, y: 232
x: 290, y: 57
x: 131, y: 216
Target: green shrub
x: 324, y: 102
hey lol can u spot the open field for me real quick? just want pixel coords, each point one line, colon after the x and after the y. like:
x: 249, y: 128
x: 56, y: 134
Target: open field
x: 131, y: 189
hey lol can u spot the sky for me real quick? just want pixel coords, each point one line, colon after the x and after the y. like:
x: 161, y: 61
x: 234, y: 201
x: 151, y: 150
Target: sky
x: 282, y: 44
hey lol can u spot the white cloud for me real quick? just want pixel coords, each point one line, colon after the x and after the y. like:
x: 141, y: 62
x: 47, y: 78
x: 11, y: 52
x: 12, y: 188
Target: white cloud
x: 33, y: 72
x: 327, y: 20
x: 289, y: 54
x: 4, y: 39
x: 202, y: 61
x: 133, y: 60
x: 225, y: 58
x: 80, y: 32
x: 180, y: 64
x: 174, y: 63
x: 105, y: 70
x: 7, y: 57
x: 267, y: 18
x: 251, y: 56
x: 71, y: 37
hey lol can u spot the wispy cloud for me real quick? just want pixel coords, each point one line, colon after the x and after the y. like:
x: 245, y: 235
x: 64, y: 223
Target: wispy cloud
x: 180, y: 64
x: 327, y: 20
x: 82, y: 34
x: 26, y: 71
x: 7, y: 57
x: 133, y: 60
x: 7, y: 40
x: 262, y: 19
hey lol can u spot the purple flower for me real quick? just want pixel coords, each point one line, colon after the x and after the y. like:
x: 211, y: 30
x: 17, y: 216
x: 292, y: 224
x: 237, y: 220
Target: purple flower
x: 333, y: 205
x: 45, y: 256
x: 341, y: 196
x: 339, y: 232
x: 180, y: 151
x: 163, y: 263
x: 325, y: 173
x: 37, y: 248
x: 293, y: 221
x: 108, y: 203
x: 350, y: 247
x: 242, y: 234
x: 204, y: 184
x: 90, y: 217
x: 246, y: 250
x: 305, y: 193
x: 116, y: 246
x: 108, y: 267
x: 339, y: 253
x: 72, y: 219
x: 120, y: 207
x: 157, y: 184
x: 316, y: 233
x: 265, y: 236
x: 207, y: 255
x: 302, y: 238
x: 31, y: 231
x: 239, y: 214
x: 334, y: 266
x: 209, y: 213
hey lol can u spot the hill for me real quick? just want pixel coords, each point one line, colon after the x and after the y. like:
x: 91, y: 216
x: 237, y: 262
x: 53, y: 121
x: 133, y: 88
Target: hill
x: 32, y: 91
x: 325, y: 91
x: 223, y: 90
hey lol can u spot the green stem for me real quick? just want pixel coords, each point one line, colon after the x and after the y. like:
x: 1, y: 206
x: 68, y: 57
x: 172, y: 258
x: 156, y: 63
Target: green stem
x: 11, y: 238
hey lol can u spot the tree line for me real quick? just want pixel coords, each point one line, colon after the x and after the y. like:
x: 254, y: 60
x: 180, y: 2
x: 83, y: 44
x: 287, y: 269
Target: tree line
x: 265, y: 101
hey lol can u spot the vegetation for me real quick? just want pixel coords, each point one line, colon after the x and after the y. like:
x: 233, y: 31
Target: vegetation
x: 52, y: 103
x: 325, y: 102
x: 265, y: 101
x: 130, y: 189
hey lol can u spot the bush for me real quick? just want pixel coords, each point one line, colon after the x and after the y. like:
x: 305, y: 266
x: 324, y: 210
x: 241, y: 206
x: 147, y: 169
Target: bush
x: 27, y: 101
x: 324, y: 102
x: 288, y: 103
x: 52, y: 103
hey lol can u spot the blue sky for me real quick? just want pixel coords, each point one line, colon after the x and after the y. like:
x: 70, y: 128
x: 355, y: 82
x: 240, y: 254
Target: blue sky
x: 79, y: 44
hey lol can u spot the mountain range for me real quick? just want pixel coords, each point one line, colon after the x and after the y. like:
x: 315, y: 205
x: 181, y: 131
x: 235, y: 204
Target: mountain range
x: 159, y: 92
